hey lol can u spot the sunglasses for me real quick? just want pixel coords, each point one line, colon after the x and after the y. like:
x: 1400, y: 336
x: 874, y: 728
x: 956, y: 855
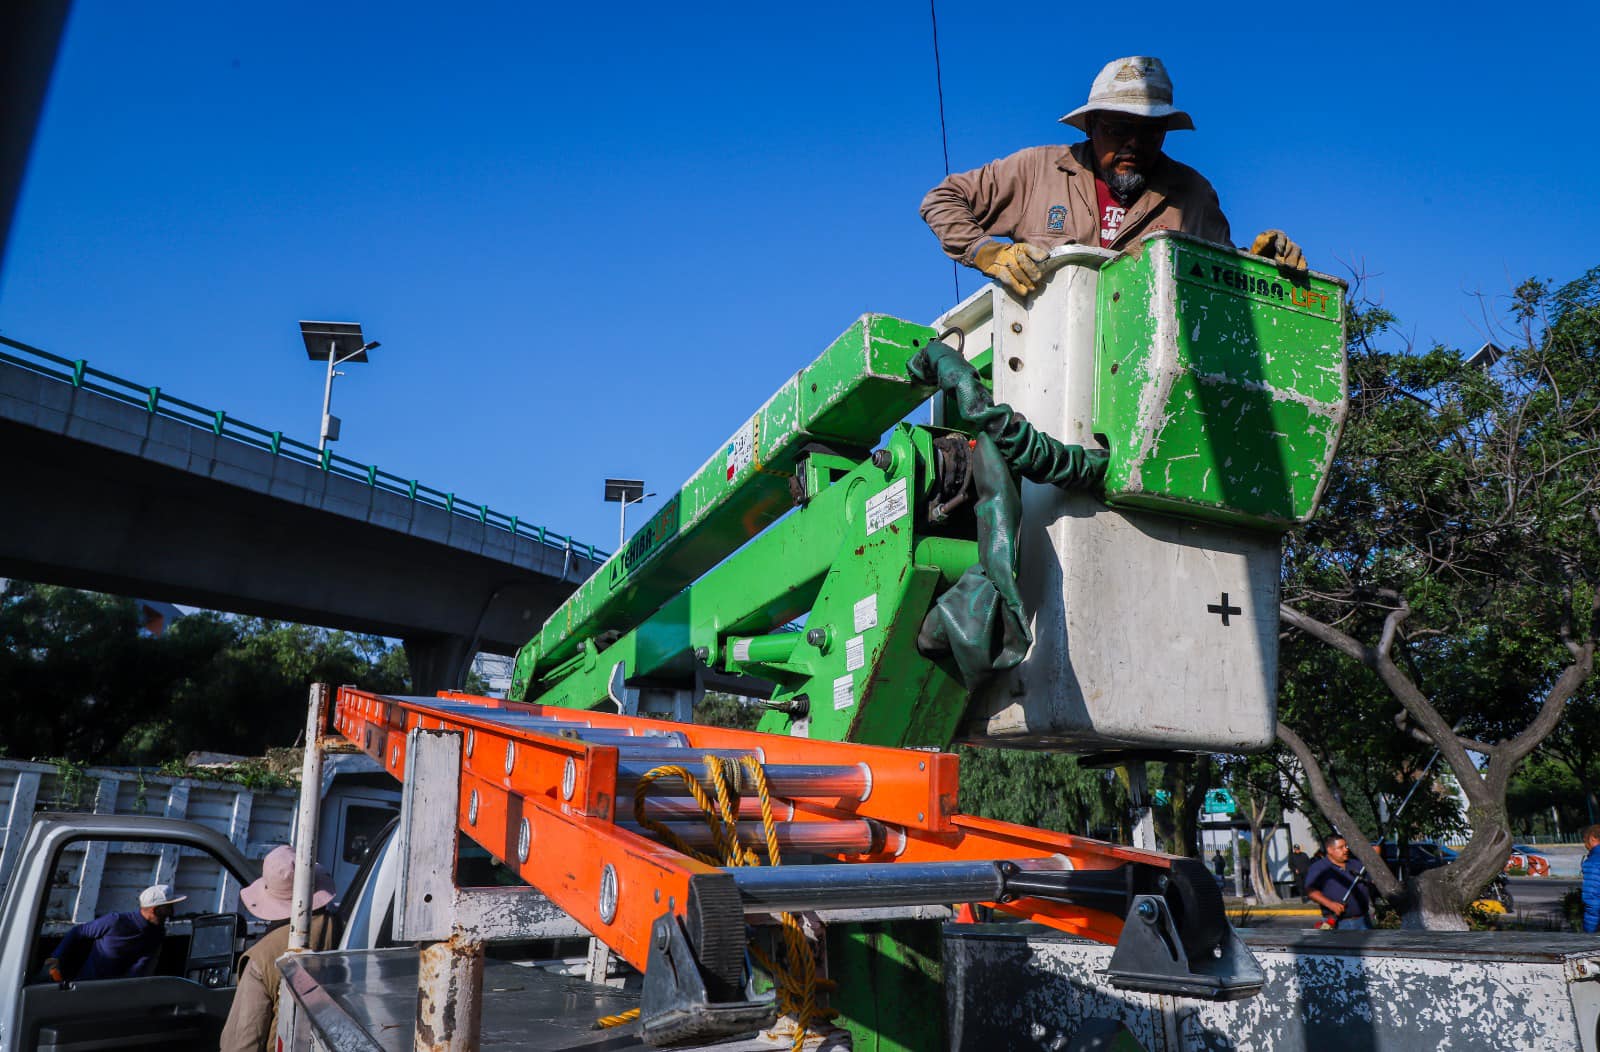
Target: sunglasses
x: 1129, y: 127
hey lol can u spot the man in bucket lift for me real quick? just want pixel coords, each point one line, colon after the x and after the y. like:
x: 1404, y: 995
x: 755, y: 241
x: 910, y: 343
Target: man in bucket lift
x: 1108, y: 191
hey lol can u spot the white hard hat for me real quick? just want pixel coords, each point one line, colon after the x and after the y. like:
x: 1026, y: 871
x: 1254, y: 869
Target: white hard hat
x: 1137, y: 85
x: 159, y: 895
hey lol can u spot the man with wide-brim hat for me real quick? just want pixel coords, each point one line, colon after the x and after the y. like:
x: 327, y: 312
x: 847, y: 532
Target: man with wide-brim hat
x: 1109, y: 190
x: 253, y: 1019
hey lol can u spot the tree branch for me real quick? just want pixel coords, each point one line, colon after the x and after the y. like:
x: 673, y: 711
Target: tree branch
x: 1340, y: 641
x: 1329, y: 805
x: 1554, y: 707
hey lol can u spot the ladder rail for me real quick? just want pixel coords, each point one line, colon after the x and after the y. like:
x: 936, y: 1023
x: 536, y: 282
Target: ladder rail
x: 548, y: 807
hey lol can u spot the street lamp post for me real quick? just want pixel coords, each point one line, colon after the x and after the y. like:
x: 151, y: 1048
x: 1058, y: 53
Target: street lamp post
x: 625, y: 492
x: 340, y: 342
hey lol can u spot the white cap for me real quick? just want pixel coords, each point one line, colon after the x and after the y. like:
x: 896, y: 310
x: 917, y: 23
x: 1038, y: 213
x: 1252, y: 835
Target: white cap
x: 1138, y: 86
x: 159, y: 895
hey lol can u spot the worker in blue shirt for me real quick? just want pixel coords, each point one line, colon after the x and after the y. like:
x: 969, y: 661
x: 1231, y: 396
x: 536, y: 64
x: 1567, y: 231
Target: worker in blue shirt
x: 117, y: 945
x: 1591, y: 879
x: 1340, y: 891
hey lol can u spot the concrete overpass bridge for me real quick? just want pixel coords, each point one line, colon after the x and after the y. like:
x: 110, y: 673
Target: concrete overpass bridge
x: 116, y: 487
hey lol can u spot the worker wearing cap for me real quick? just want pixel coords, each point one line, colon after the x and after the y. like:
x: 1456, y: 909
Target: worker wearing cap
x: 117, y: 945
x: 253, y: 1017
x: 1108, y: 191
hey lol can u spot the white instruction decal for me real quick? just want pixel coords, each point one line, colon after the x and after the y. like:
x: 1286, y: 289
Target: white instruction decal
x: 742, y: 449
x: 867, y: 613
x: 844, y: 692
x: 886, y: 507
x: 741, y: 650
x: 855, y: 653
x: 800, y: 728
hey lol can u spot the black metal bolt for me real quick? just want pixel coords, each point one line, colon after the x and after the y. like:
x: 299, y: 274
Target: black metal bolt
x: 1016, y: 326
x: 702, y: 653
x: 882, y: 459
x: 1147, y: 910
x: 817, y: 637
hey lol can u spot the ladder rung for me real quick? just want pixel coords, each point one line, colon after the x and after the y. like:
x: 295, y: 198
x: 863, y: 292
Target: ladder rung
x: 694, y: 759
x: 669, y: 807
x: 614, y: 736
x: 850, y: 836
x: 786, y: 780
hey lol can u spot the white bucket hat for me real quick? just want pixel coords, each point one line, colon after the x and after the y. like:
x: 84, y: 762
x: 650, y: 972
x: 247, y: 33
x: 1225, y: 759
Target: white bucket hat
x: 271, y: 898
x: 1137, y: 85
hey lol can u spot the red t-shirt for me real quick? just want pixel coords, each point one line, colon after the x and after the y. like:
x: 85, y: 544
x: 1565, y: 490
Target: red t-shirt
x: 1111, y: 213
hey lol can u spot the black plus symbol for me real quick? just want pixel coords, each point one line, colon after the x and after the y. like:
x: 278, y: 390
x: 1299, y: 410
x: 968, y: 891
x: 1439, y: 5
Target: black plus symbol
x: 1223, y: 609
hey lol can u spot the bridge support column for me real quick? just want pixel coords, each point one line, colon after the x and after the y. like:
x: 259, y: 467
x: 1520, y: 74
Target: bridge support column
x: 438, y: 662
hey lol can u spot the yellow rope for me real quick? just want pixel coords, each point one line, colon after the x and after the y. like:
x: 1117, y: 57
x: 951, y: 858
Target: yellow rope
x: 796, y: 979
x: 606, y: 1022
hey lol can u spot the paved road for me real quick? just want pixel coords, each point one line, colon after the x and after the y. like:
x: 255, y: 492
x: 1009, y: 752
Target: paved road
x: 1537, y: 899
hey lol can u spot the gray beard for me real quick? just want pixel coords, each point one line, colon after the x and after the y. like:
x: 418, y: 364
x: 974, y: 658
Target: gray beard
x: 1125, y: 186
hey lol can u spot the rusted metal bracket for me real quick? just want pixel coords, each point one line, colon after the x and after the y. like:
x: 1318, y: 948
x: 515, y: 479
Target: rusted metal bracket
x: 452, y: 923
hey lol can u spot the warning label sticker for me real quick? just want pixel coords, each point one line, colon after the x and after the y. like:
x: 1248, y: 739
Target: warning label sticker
x: 855, y: 653
x: 887, y: 507
x: 742, y: 449
x: 866, y: 613
x: 844, y: 692
x: 800, y: 728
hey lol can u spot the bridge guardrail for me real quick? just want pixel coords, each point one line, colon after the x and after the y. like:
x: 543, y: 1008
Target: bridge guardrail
x: 156, y: 402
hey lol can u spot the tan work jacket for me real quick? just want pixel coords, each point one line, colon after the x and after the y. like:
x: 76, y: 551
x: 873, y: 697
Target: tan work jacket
x: 253, y: 1020
x: 1045, y: 196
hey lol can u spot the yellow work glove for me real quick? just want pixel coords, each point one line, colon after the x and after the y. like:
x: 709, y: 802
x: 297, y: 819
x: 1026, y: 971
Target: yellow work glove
x: 1275, y: 244
x: 1015, y: 265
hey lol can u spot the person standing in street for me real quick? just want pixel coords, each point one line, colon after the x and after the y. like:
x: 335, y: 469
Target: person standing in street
x: 1299, y: 865
x: 1331, y: 884
x: 1591, y: 879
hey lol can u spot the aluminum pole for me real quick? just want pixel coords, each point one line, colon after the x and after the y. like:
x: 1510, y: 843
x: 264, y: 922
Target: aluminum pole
x: 327, y: 399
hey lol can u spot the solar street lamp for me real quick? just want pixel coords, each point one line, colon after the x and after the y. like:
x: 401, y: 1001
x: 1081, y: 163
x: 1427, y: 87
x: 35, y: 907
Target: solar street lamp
x: 625, y: 492
x: 337, y: 343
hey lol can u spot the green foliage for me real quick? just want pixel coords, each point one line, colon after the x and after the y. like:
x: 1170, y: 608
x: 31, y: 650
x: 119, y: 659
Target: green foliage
x: 1461, y: 515
x: 1346, y: 715
x: 254, y: 773
x: 70, y: 784
x: 1544, y: 783
x: 79, y: 679
x: 1575, y: 747
x: 717, y: 709
x: 1048, y: 790
x: 76, y: 675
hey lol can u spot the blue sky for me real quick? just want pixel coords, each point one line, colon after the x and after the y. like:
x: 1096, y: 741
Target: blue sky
x: 594, y: 238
